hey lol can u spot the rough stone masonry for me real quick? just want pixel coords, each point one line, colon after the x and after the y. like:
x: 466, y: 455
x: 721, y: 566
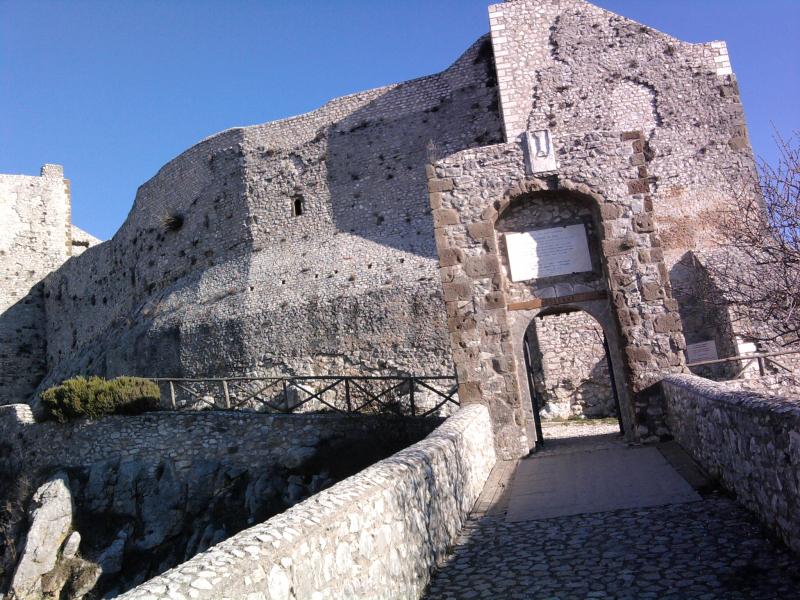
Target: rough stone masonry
x: 369, y: 236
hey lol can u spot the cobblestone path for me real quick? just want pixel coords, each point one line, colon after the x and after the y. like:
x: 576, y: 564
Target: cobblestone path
x: 709, y: 549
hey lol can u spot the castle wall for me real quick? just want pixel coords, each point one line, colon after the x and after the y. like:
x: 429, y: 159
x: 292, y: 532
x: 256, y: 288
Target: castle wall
x: 248, y: 286
x: 649, y: 130
x: 572, y: 367
x: 35, y: 239
x: 583, y: 73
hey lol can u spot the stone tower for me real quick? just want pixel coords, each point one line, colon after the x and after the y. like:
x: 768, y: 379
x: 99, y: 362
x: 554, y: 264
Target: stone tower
x: 36, y: 238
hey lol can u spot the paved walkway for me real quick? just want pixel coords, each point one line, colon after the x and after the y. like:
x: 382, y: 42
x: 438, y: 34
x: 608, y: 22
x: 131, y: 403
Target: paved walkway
x: 685, y: 547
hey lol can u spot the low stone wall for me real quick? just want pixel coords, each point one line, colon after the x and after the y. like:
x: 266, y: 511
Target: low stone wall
x: 149, y: 492
x: 750, y: 441
x: 377, y: 534
x: 242, y: 439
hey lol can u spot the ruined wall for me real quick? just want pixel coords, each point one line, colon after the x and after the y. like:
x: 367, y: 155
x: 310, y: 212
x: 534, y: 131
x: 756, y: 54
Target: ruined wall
x: 378, y: 534
x: 582, y: 72
x: 151, y: 491
x: 35, y: 238
x: 246, y: 285
x: 571, y: 366
x: 750, y: 441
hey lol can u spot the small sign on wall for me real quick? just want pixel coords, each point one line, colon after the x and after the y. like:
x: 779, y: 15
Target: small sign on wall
x: 701, y: 351
x: 548, y: 252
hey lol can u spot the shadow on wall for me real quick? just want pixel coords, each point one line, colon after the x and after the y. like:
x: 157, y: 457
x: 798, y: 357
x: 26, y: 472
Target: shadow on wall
x: 703, y: 314
x: 22, y: 347
x: 377, y: 155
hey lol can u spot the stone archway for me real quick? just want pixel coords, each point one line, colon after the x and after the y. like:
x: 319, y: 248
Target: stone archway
x: 469, y: 194
x: 597, y: 315
x: 587, y: 289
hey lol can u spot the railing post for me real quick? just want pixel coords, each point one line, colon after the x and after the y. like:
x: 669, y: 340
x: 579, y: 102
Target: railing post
x: 347, y: 395
x: 172, y: 394
x: 411, y: 396
x: 761, y: 366
x: 226, y: 394
x: 286, y: 396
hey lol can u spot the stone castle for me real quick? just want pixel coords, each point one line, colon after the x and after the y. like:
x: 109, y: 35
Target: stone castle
x: 530, y: 220
x: 370, y: 236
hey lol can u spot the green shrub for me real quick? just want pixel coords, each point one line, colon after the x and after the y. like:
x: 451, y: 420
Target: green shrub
x: 94, y: 397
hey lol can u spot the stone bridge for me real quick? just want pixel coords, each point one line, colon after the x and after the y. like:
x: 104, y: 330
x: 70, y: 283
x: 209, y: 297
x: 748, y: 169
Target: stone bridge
x: 712, y: 514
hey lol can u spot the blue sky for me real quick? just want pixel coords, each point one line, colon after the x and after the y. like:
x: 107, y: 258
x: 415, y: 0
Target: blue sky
x: 114, y: 89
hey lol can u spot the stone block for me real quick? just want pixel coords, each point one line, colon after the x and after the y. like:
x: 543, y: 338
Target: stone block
x: 443, y: 217
x: 638, y: 354
x: 469, y: 391
x: 481, y: 266
x: 643, y: 223
x: 638, y: 186
x: 461, y: 323
x: 651, y: 291
x: 460, y: 289
x: 495, y: 300
x: 667, y: 323
x: 449, y: 257
x: 627, y: 136
x: 481, y: 230
x: 440, y: 185
x: 609, y: 212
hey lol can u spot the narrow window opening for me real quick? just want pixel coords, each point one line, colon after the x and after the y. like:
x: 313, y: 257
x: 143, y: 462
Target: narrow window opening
x: 297, y: 206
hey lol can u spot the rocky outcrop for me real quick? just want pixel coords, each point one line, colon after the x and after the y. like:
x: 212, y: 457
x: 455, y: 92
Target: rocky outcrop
x: 150, y: 492
x: 50, y: 518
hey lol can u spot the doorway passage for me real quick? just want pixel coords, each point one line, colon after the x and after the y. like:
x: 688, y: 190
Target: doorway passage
x: 570, y: 377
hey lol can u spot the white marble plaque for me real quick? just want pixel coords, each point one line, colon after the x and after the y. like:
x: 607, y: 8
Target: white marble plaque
x: 701, y: 351
x: 746, y: 347
x: 548, y: 252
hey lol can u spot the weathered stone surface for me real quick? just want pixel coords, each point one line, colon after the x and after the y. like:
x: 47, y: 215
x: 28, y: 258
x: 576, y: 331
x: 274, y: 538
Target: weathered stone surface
x: 50, y: 518
x: 377, y: 534
x: 750, y: 441
x: 570, y: 366
x: 72, y: 544
x: 151, y: 491
x: 348, y: 286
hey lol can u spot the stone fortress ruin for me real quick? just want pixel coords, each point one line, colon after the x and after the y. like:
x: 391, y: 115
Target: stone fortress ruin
x: 369, y: 236
x: 519, y: 220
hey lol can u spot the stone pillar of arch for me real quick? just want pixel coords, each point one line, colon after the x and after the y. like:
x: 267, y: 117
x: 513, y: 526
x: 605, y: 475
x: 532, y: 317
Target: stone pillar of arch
x: 469, y: 193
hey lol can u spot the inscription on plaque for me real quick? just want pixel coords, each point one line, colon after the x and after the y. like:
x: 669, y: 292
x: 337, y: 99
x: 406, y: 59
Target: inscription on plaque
x: 701, y: 351
x: 548, y: 252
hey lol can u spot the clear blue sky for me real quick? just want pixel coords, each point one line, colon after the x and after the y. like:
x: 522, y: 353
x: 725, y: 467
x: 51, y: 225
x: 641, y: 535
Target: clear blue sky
x: 114, y: 89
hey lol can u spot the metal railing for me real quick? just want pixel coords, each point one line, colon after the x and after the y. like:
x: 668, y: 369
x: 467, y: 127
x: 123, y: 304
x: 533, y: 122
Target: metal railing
x: 764, y: 359
x: 402, y: 395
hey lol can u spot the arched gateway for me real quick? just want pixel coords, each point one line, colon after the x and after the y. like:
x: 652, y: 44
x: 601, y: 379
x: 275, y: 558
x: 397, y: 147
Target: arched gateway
x: 514, y: 242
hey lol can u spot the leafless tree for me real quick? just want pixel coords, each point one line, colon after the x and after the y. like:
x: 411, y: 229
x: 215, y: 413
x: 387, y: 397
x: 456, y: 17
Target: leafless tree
x: 756, y: 273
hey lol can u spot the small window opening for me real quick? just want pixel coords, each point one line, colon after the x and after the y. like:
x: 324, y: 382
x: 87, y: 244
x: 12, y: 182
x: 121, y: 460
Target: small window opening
x: 297, y: 206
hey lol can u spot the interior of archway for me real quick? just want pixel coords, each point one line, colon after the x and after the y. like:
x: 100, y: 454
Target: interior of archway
x: 568, y: 373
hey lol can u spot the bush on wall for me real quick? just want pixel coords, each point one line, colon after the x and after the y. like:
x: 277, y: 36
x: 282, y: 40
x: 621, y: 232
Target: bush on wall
x: 94, y: 397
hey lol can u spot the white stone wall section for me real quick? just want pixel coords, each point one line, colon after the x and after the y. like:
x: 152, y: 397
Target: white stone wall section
x: 377, y: 534
x: 750, y: 441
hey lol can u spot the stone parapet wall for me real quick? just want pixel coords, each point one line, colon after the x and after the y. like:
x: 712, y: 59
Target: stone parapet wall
x: 150, y: 492
x: 377, y: 534
x: 750, y: 441
x: 242, y: 439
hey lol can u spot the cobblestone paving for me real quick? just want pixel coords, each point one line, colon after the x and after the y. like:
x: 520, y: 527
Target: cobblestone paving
x: 707, y: 550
